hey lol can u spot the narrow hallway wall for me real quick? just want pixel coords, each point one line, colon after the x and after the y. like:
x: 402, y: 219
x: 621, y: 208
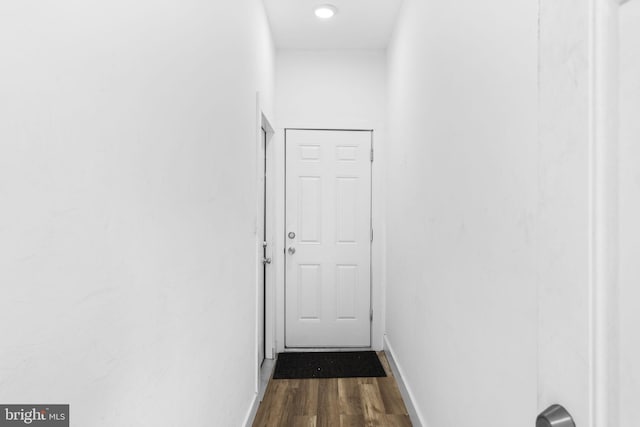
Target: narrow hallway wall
x: 462, y: 185
x: 128, y: 207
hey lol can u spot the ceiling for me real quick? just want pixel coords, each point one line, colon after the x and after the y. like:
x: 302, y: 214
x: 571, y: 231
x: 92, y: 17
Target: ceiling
x: 359, y: 24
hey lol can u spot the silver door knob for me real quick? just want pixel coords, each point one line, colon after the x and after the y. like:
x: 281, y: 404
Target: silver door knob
x: 266, y: 260
x: 291, y: 250
x: 555, y: 416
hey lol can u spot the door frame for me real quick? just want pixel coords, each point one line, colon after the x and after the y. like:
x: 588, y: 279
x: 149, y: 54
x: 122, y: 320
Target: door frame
x: 266, y: 251
x: 577, y: 321
x: 265, y: 217
x: 282, y: 297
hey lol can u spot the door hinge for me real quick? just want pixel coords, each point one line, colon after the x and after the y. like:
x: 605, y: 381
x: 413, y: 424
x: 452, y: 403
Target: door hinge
x: 371, y: 315
x: 372, y: 155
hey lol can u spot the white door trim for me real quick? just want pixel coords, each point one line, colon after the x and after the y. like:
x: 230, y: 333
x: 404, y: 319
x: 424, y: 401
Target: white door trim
x: 603, y: 216
x: 577, y: 290
x: 262, y: 122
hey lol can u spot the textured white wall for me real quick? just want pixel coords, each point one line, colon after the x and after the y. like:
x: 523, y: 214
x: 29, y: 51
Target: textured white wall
x: 128, y: 207
x: 340, y: 89
x: 629, y: 213
x: 462, y: 198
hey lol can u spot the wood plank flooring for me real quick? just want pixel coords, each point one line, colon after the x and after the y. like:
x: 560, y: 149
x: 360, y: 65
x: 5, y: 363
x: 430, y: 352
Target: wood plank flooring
x: 334, y: 402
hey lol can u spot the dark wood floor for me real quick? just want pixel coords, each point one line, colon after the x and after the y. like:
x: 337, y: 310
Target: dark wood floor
x: 334, y: 402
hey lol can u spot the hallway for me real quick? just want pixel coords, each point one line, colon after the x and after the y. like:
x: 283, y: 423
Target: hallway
x: 336, y: 402
x: 146, y: 247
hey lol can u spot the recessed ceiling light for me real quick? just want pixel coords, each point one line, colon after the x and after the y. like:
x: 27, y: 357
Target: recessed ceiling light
x: 325, y: 11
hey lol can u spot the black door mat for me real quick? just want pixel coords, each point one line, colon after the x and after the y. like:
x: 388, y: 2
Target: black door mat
x: 349, y: 364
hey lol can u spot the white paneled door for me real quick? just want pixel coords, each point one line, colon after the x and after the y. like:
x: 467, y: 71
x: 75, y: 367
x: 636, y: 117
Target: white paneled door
x: 328, y: 238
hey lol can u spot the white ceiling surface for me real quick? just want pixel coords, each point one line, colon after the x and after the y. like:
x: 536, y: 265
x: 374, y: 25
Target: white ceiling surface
x: 359, y: 24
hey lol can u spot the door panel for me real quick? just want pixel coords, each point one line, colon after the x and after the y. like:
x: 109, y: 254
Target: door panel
x: 310, y: 209
x: 347, y: 291
x: 347, y: 210
x: 328, y: 225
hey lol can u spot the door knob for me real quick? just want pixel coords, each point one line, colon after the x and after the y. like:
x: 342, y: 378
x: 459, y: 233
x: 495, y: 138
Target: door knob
x: 266, y: 260
x: 555, y: 416
x: 291, y: 250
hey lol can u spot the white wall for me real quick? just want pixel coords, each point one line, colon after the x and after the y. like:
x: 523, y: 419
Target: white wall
x: 629, y: 273
x: 128, y: 207
x: 337, y: 89
x: 343, y: 89
x: 462, y: 198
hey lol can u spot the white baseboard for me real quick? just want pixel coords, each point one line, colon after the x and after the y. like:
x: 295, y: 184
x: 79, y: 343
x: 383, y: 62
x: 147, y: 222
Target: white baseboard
x: 416, y: 418
x: 264, y: 375
x: 253, y: 410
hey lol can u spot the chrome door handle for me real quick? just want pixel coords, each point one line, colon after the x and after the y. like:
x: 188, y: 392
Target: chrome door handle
x: 266, y: 260
x: 555, y: 416
x: 291, y: 250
